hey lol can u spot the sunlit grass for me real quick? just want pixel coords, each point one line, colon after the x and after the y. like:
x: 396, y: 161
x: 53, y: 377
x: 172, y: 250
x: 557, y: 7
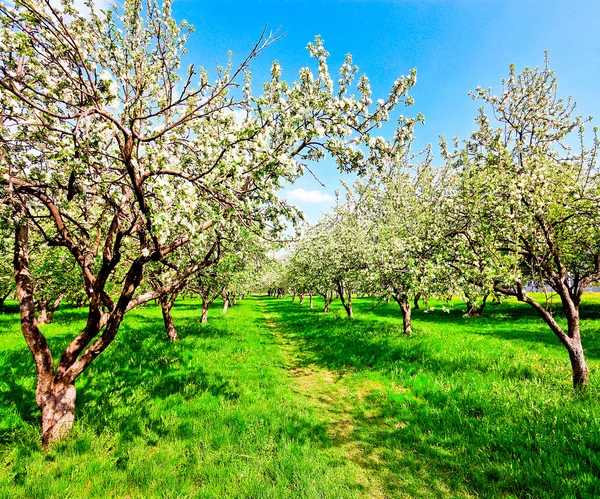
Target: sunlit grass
x: 275, y: 400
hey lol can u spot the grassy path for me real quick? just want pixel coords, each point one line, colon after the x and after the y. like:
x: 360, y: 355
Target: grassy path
x: 463, y: 408
x: 329, y: 393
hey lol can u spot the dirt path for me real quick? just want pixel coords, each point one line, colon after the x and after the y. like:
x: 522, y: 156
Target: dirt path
x: 338, y: 399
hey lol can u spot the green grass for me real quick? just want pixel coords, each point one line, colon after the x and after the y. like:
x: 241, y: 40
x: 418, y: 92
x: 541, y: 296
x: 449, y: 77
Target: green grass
x: 274, y: 400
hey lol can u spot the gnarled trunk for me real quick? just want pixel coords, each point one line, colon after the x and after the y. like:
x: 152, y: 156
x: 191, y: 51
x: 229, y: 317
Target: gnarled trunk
x: 225, y: 304
x: 57, y: 404
x: 205, y: 306
x: 578, y: 365
x: 46, y: 309
x: 327, y: 301
x: 474, y: 310
x: 404, y: 303
x: 166, y: 304
x: 416, y: 301
x: 42, y: 317
x: 346, y: 298
x: 572, y: 338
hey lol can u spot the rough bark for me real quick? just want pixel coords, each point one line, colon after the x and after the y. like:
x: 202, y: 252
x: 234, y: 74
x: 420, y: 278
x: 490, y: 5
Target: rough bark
x: 56, y: 399
x: 404, y: 302
x: 166, y: 304
x: 58, y: 411
x: 225, y: 304
x: 416, y: 301
x: 46, y: 309
x: 327, y: 301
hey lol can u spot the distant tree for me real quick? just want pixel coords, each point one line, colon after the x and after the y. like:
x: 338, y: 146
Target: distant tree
x: 404, y: 203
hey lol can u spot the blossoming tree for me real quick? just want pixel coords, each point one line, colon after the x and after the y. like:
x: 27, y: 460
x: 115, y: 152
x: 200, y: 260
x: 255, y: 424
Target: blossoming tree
x: 114, y: 153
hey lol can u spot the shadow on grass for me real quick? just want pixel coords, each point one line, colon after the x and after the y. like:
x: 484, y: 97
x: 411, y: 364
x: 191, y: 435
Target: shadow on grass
x: 455, y: 419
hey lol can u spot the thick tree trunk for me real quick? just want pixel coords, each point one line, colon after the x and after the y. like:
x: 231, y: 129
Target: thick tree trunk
x: 58, y: 411
x: 348, y: 306
x: 166, y: 305
x: 578, y: 365
x: 404, y: 303
x: 327, y: 302
x: 301, y: 300
x: 205, y: 307
x: 43, y: 317
x: 225, y: 304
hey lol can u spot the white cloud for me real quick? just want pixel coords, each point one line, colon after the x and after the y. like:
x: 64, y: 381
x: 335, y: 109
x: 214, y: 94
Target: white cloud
x: 309, y: 196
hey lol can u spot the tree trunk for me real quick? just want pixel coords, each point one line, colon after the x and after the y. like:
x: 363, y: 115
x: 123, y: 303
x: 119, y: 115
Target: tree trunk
x: 404, y: 303
x: 578, y: 365
x: 346, y: 301
x: 293, y: 298
x: 416, y: 301
x: 42, y: 318
x: 225, y: 304
x: 572, y: 339
x: 301, y: 300
x: 474, y: 310
x: 310, y: 303
x: 205, y: 307
x: 166, y: 305
x: 327, y: 302
x: 58, y: 411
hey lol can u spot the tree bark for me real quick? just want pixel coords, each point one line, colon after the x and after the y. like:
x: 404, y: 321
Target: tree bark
x: 205, y: 307
x: 327, y: 301
x: 301, y: 300
x: 416, y: 301
x: 346, y: 300
x: 225, y: 304
x: 55, y: 400
x: 474, y: 310
x: 310, y: 303
x: 58, y: 411
x: 404, y: 303
x: 572, y: 338
x: 166, y: 304
x: 46, y: 309
x: 42, y: 318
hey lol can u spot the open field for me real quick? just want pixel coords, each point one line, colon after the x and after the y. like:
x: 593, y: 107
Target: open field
x: 274, y: 400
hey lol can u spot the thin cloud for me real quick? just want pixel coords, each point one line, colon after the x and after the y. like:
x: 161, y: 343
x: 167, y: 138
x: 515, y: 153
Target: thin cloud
x: 316, y: 197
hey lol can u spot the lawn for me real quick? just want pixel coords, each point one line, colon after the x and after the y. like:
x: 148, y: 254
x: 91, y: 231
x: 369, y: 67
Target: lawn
x: 274, y: 400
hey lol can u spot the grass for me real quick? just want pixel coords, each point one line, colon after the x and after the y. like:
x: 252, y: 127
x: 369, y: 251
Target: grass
x: 274, y: 400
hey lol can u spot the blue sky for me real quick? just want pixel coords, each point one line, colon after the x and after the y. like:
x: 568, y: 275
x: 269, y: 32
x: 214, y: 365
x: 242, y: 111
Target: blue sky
x: 455, y: 45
